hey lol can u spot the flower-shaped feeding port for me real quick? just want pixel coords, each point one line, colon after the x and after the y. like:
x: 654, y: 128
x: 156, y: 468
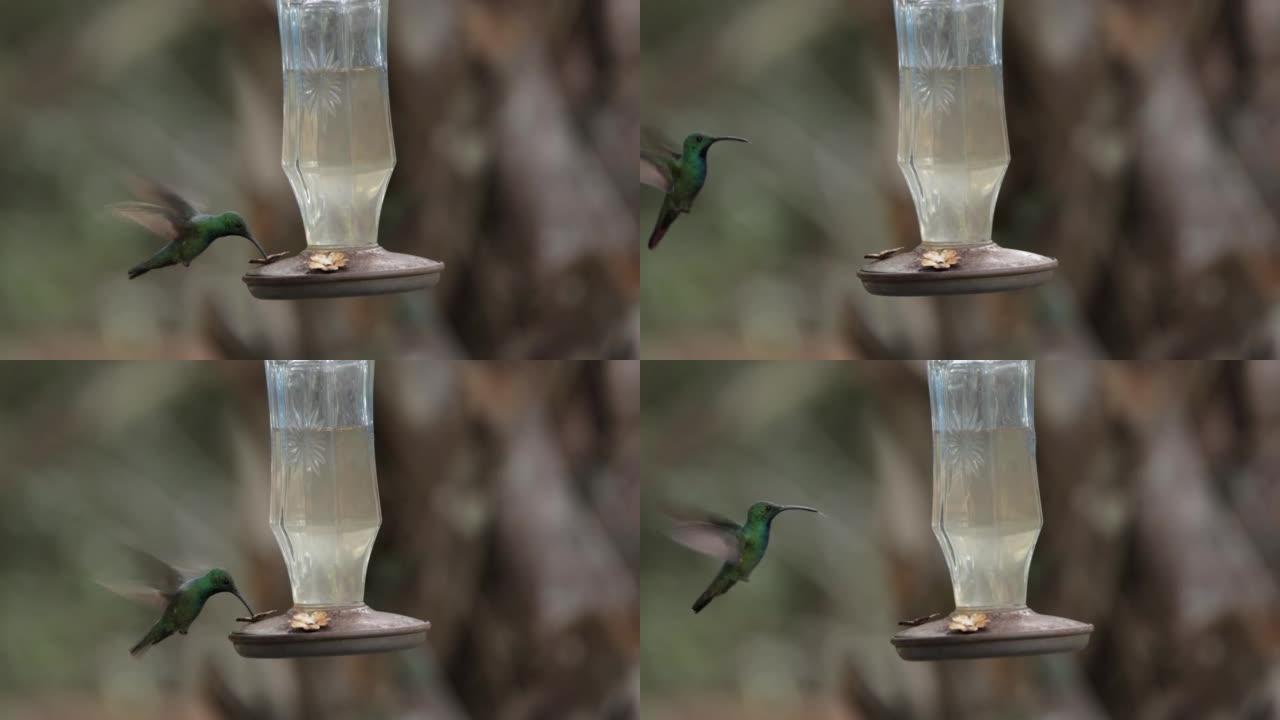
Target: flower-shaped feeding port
x: 339, y: 153
x: 325, y: 515
x: 986, y: 517
x: 953, y: 148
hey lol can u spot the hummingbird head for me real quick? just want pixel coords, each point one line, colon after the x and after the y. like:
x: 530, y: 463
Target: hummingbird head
x: 699, y: 144
x: 232, y: 224
x: 220, y: 581
x: 767, y: 511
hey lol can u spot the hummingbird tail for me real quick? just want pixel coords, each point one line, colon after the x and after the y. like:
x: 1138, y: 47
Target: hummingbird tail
x: 719, y: 586
x: 665, y: 220
x: 153, y: 636
x: 656, y: 238
x: 168, y: 255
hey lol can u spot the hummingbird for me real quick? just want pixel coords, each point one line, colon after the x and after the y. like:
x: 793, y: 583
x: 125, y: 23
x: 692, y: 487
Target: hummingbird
x: 741, y: 547
x: 188, y: 232
x: 182, y: 594
x: 680, y: 174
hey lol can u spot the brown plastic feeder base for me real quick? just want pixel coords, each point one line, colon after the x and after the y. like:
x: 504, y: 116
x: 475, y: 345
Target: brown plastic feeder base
x: 982, y: 269
x: 369, y: 271
x: 351, y: 631
x: 1008, y: 633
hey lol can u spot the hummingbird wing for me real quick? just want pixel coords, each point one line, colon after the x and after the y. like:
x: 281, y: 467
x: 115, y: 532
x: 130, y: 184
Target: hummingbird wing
x: 164, y: 578
x: 705, y: 532
x: 140, y: 594
x: 709, y: 540
x: 153, y: 193
x: 157, y: 220
x: 657, y: 161
x: 161, y: 210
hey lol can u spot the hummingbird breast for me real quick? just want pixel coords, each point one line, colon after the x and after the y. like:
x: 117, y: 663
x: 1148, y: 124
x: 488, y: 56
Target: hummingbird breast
x: 193, y: 246
x: 690, y: 177
x: 753, y: 547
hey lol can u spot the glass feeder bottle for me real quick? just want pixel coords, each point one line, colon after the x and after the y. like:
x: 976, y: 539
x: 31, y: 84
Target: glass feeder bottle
x: 986, y: 498
x: 986, y: 513
x: 953, y: 150
x: 324, y: 488
x: 338, y: 152
x: 325, y: 513
x: 953, y: 146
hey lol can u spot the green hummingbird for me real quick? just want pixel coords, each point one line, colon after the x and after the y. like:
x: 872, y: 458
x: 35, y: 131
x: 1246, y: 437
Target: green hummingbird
x: 182, y: 594
x: 741, y: 547
x: 680, y: 174
x: 188, y: 232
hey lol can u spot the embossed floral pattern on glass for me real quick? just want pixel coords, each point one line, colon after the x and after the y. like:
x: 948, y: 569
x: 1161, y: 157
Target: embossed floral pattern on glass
x: 321, y: 84
x: 933, y: 82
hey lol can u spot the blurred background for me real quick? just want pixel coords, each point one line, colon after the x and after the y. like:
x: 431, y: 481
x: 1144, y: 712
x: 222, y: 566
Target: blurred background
x: 510, y: 497
x: 516, y: 128
x: 1161, y: 498
x: 1143, y: 137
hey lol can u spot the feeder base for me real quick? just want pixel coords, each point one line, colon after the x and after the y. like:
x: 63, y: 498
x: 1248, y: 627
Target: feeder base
x: 1008, y: 633
x: 982, y: 269
x: 351, y: 631
x: 369, y: 271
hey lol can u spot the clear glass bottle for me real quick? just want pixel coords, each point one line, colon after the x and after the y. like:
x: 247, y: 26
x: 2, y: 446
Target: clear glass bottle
x: 339, y: 150
x: 986, y: 496
x: 325, y: 512
x: 953, y: 144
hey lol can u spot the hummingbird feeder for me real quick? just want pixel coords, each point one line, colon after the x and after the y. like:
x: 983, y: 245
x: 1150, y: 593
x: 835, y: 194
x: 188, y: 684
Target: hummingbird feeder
x: 953, y: 148
x: 339, y: 153
x: 986, y: 516
x: 325, y: 515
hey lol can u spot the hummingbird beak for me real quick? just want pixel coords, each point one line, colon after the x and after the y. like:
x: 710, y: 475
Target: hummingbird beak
x: 729, y: 138
x: 236, y: 592
x: 806, y: 508
x: 249, y: 236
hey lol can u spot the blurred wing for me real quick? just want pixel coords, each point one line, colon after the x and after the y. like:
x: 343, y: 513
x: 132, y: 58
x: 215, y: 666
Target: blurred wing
x: 652, y: 140
x: 655, y: 171
x: 656, y: 161
x: 705, y: 532
x: 157, y: 220
x: 154, y: 193
x: 687, y: 515
x: 708, y: 539
x: 158, y: 574
x: 138, y: 593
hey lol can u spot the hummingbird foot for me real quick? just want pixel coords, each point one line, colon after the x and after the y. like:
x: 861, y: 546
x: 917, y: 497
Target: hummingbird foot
x: 913, y: 622
x: 259, y: 616
x: 269, y: 259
